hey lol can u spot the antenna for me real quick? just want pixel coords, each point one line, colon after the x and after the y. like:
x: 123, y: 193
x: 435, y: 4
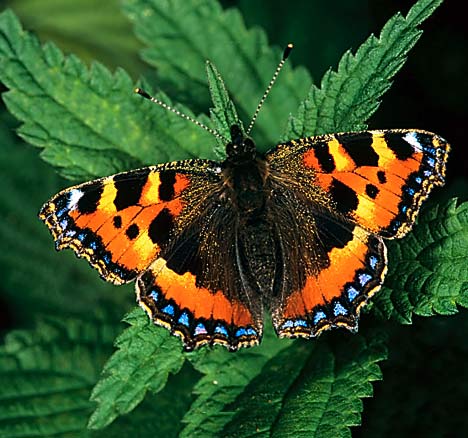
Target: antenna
x: 286, y: 53
x: 184, y: 116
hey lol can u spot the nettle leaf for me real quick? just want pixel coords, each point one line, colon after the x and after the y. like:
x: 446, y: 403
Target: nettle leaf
x: 428, y: 269
x: 181, y: 35
x: 68, y: 24
x: 310, y: 389
x: 224, y: 377
x: 348, y: 97
x: 158, y: 415
x: 31, y: 282
x: 223, y: 113
x: 104, y: 127
x: 146, y: 355
x: 410, y: 402
x: 46, y: 376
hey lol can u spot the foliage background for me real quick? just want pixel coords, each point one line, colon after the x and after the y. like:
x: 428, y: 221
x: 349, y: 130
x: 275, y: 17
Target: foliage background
x: 424, y: 389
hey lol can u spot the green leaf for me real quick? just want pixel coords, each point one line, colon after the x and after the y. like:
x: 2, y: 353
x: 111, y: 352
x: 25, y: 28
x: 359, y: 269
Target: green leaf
x: 348, y: 97
x: 146, y: 355
x: 31, y: 282
x: 428, y: 269
x: 158, y: 415
x: 181, y: 35
x: 309, y: 389
x: 68, y: 24
x: 224, y: 377
x: 410, y: 402
x: 223, y: 114
x: 46, y: 376
x: 312, y: 388
x: 104, y: 127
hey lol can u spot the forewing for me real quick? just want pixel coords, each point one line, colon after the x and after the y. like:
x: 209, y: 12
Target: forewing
x: 378, y: 179
x: 121, y: 223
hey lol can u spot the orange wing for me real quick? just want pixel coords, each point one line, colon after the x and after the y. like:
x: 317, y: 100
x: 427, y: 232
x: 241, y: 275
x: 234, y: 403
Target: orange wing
x: 120, y: 223
x: 160, y: 225
x: 198, y: 315
x: 361, y: 187
x: 333, y: 296
x: 378, y: 179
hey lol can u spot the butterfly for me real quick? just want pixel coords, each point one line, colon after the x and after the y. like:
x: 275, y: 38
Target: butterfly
x: 297, y: 232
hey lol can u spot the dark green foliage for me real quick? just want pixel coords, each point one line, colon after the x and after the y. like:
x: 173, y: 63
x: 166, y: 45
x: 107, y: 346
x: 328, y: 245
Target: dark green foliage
x: 89, y: 29
x: 425, y: 388
x: 145, y: 357
x: 107, y: 127
x: 225, y: 376
x: 48, y: 374
x: 428, y: 271
x: 181, y: 35
x: 348, y: 97
x: 306, y: 391
x: 223, y: 114
x: 87, y: 122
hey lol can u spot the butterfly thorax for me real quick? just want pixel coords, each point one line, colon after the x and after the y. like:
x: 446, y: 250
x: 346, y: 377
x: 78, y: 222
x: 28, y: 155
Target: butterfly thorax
x: 245, y: 176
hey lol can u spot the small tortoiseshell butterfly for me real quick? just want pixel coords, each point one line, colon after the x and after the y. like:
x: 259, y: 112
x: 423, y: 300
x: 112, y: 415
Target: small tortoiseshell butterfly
x: 297, y: 231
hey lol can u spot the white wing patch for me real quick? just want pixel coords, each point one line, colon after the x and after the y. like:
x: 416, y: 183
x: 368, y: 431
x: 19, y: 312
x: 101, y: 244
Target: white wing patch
x: 412, y: 139
x: 75, y: 196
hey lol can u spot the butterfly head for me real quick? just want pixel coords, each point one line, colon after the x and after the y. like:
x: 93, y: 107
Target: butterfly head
x: 241, y: 148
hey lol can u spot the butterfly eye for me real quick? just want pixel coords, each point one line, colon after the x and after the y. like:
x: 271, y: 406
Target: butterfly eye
x: 231, y: 149
x: 249, y: 145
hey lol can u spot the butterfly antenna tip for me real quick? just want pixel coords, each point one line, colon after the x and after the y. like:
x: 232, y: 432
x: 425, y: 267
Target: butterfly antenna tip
x: 286, y: 53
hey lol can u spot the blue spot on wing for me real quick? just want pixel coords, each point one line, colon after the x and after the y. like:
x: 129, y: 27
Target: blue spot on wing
x: 251, y: 332
x: 61, y: 212
x: 373, y: 262
x: 155, y: 295
x: 319, y: 316
x: 240, y: 332
x: 338, y: 309
x: 106, y: 258
x: 221, y: 330
x: 300, y: 323
x: 169, y: 310
x: 184, y: 319
x: 364, y: 279
x: 352, y: 293
x: 200, y: 329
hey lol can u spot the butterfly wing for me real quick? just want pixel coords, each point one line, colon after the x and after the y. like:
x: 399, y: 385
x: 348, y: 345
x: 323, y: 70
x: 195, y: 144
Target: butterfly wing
x: 120, y: 223
x: 357, y: 188
x: 377, y: 179
x: 198, y: 288
x: 163, y: 225
x: 351, y: 266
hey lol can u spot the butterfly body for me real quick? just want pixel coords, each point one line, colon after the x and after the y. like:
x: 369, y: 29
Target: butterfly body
x: 296, y: 232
